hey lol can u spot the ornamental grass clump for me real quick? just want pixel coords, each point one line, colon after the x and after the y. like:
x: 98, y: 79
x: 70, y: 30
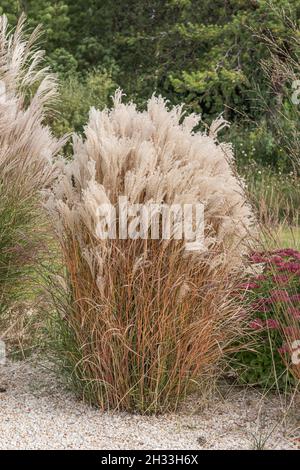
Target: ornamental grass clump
x: 26, y: 151
x: 144, y: 320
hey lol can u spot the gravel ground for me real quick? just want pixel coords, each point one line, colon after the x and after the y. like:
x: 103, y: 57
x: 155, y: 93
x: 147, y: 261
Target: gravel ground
x: 36, y: 412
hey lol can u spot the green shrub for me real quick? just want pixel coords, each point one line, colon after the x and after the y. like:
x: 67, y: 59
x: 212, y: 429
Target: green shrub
x: 77, y: 95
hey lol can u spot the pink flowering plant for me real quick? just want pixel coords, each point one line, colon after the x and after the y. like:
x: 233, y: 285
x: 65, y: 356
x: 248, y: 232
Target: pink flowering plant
x: 272, y: 300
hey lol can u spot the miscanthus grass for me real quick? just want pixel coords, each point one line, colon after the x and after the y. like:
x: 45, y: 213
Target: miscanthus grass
x: 141, y: 322
x: 27, y: 148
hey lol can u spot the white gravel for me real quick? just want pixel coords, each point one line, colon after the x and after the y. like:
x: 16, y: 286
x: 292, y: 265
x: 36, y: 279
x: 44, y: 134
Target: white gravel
x: 36, y: 412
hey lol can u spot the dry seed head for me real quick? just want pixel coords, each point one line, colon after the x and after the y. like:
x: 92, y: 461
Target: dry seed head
x: 26, y: 144
x: 155, y: 157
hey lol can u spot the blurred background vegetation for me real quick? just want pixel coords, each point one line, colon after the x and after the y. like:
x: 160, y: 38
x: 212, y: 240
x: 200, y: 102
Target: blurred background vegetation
x: 216, y: 57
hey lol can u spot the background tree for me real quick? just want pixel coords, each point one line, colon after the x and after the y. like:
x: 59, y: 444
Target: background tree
x: 205, y: 54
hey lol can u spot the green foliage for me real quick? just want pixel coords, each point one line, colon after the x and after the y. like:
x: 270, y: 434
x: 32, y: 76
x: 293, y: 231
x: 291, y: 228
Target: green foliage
x: 63, y: 63
x: 51, y: 14
x: 275, y: 195
x: 257, y: 143
x: 18, y: 244
x: 11, y: 8
x: 77, y: 96
x: 206, y: 55
x: 193, y: 52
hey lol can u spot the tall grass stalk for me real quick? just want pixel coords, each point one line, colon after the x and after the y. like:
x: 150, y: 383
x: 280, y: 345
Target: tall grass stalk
x: 275, y: 196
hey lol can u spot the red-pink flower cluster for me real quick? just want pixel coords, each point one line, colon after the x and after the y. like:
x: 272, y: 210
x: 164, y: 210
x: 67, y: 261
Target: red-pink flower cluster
x: 281, y: 268
x: 259, y: 324
x: 278, y: 295
x: 294, y: 311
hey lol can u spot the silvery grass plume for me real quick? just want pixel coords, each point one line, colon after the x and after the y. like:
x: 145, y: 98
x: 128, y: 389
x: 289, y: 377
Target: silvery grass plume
x: 151, y: 157
x: 144, y: 319
x: 27, y: 91
x: 27, y: 148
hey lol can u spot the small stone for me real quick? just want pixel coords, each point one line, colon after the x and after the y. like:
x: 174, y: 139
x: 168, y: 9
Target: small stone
x: 201, y: 440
